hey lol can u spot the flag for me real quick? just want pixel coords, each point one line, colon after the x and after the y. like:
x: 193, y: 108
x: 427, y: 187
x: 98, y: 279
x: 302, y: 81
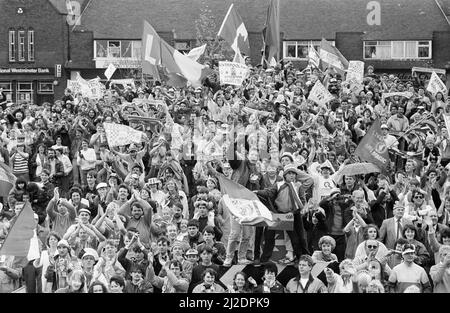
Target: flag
x: 332, y: 57
x: 372, y: 147
x: 243, y: 204
x: 313, y: 56
x: 196, y: 53
x: 7, y: 179
x: 121, y: 135
x: 110, y: 71
x: 156, y: 52
x: 271, y: 32
x: 18, y: 240
x: 234, y: 32
x: 238, y: 58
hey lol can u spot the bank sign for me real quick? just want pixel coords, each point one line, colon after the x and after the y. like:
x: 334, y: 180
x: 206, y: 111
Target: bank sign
x: 38, y: 70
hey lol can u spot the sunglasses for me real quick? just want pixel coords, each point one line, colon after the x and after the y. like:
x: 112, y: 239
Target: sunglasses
x: 418, y: 197
x: 372, y: 246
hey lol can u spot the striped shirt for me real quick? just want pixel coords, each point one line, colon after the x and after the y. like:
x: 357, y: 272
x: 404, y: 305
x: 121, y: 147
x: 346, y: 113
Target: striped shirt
x: 20, y: 165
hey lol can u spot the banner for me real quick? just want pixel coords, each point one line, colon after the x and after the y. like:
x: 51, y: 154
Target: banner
x: 427, y: 70
x: 355, y: 71
x: 232, y: 73
x: 405, y: 94
x: 372, y: 147
x: 110, y: 71
x: 320, y: 94
x: 121, y: 135
x: 96, y: 88
x: 124, y: 82
x: 436, y: 85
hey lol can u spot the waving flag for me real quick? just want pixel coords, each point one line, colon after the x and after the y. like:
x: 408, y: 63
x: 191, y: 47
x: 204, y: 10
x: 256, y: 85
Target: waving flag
x: 196, y: 53
x: 313, y: 56
x: 372, y: 147
x: 18, y: 240
x: 7, y: 179
x: 271, y: 32
x: 157, y: 52
x: 243, y: 204
x: 332, y: 57
x: 234, y: 32
x: 121, y: 135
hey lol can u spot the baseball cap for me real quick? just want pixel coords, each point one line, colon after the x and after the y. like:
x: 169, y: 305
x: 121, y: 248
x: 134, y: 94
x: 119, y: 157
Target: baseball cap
x: 384, y: 126
x: 192, y: 252
x: 101, y: 185
x: 91, y: 252
x: 64, y: 243
x: 408, y: 248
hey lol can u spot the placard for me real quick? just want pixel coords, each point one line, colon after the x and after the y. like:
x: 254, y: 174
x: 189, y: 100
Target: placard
x: 232, y: 73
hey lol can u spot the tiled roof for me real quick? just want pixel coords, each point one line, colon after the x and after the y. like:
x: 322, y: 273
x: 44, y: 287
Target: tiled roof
x: 300, y: 19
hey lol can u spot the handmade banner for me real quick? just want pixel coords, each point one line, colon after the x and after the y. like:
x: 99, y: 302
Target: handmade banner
x: 232, y: 73
x: 372, y: 147
x: 110, y: 71
x: 124, y: 82
x: 243, y: 204
x: 96, y: 88
x: 355, y: 71
x: 436, y: 85
x: 320, y: 94
x: 405, y: 94
x: 121, y: 135
x: 427, y: 70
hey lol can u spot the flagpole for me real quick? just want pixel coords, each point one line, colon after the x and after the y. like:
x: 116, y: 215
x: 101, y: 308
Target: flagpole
x: 226, y: 17
x: 411, y: 127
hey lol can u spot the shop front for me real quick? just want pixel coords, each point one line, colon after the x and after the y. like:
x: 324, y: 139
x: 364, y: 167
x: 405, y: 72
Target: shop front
x: 31, y: 85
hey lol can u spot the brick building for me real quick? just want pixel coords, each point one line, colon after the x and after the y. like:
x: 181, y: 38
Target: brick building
x: 411, y: 33
x: 33, y: 50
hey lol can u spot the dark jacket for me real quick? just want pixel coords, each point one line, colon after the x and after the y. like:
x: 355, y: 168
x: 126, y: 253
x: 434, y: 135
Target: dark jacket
x: 330, y: 207
x: 379, y: 211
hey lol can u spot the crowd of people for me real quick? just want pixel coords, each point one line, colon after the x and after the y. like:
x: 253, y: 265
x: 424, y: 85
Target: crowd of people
x: 148, y: 217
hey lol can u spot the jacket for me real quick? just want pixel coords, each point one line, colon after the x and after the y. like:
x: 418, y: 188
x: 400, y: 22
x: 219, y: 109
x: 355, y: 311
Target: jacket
x: 313, y: 285
x: 270, y: 195
x: 388, y: 235
x: 380, y: 212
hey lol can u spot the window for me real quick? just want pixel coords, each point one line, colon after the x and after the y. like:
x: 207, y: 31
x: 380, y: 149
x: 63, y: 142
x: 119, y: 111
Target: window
x: 31, y: 45
x: 182, y: 46
x: 137, y: 46
x: 114, y: 49
x: 45, y: 87
x: 299, y: 49
x: 117, y: 49
x: 25, y: 92
x: 12, y: 45
x: 21, y: 46
x: 397, y: 50
x: 7, y: 89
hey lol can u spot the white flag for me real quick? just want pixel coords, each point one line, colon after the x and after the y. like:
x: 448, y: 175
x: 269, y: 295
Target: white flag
x: 313, y: 56
x: 436, y: 85
x: 121, y: 135
x: 110, y: 71
x: 196, y: 53
x: 320, y: 94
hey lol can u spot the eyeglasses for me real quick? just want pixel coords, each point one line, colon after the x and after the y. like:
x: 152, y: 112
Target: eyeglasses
x: 372, y: 246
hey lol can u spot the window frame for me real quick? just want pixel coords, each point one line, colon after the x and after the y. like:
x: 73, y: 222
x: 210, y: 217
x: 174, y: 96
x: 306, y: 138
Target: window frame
x: 297, y: 43
x: 31, y: 47
x: 21, y: 45
x: 418, y: 45
x: 40, y: 91
x: 12, y: 47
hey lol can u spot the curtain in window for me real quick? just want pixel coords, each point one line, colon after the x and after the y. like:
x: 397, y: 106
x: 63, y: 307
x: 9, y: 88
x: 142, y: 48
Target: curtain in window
x: 411, y: 49
x: 397, y: 49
